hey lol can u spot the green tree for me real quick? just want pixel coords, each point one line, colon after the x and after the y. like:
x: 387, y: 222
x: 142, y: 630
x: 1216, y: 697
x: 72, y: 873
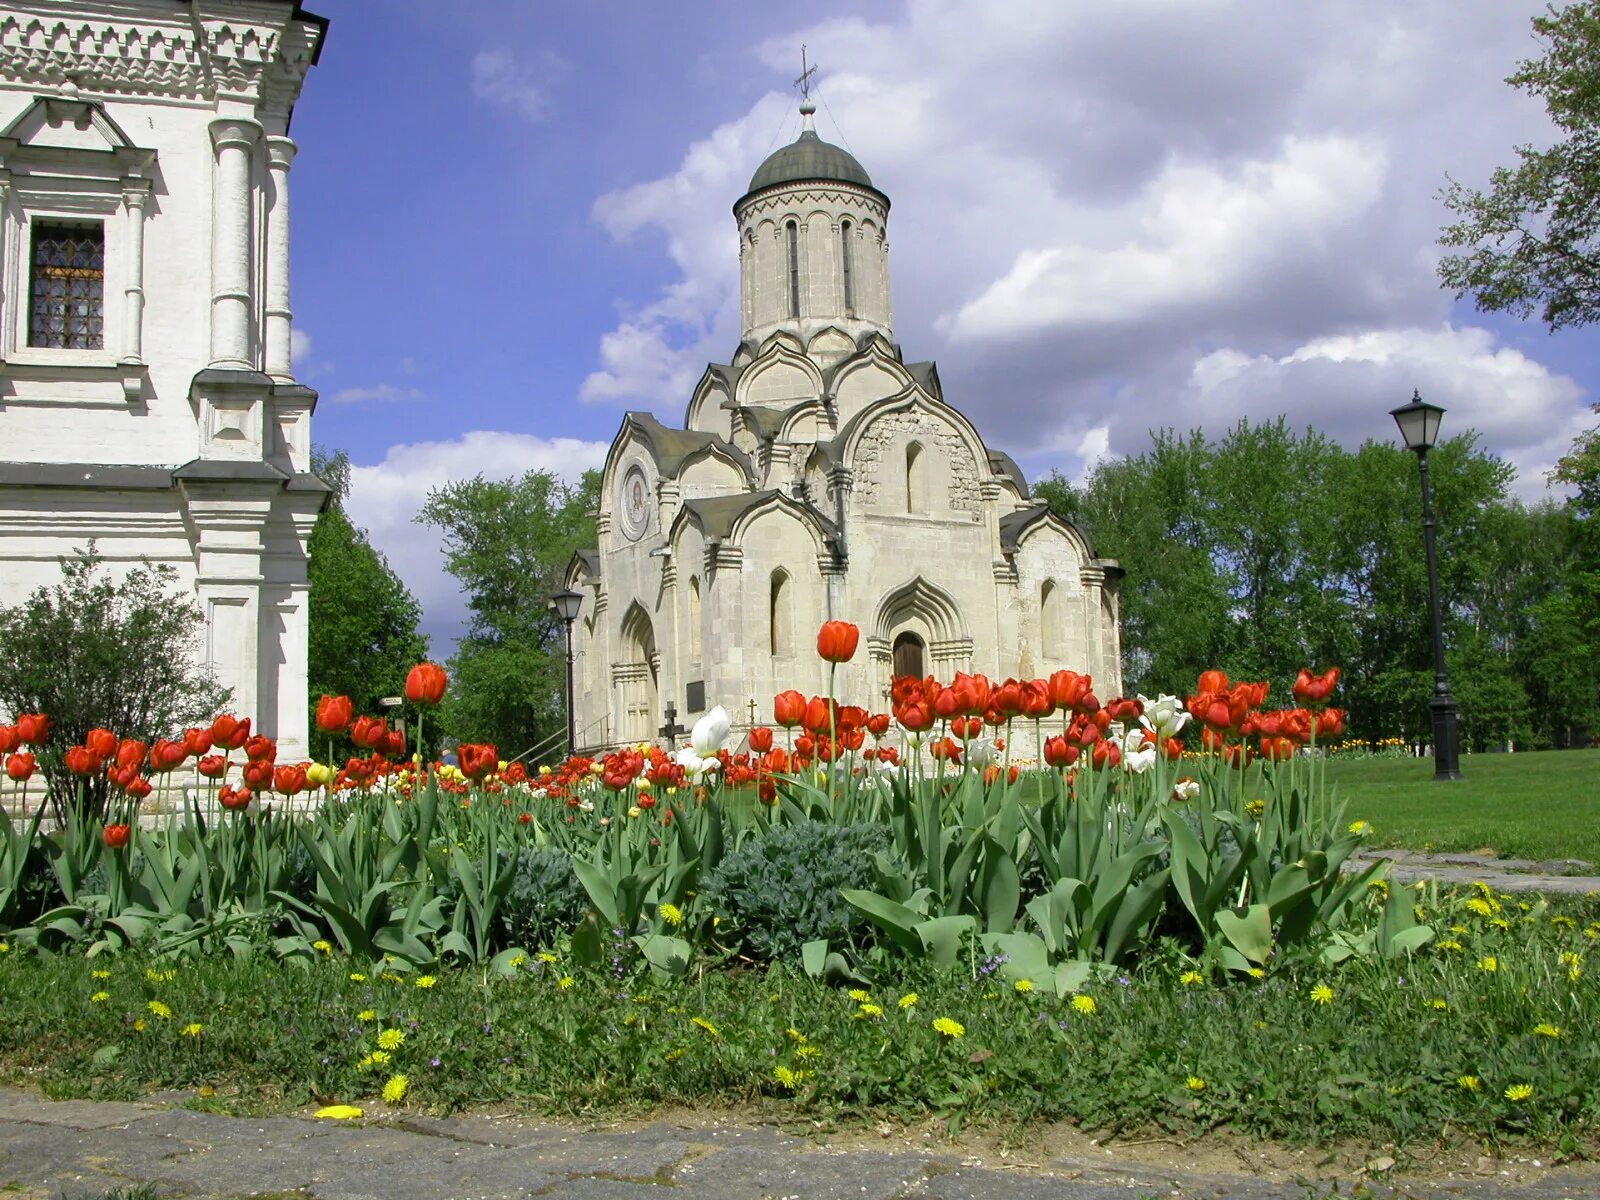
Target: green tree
x: 509, y: 542
x: 364, y: 635
x: 93, y: 652
x: 1532, y: 241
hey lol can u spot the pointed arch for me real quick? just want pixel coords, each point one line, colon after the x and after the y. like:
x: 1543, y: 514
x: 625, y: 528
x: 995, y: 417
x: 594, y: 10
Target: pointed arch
x: 916, y: 478
x: 1052, y: 623
x: 780, y: 614
x: 931, y: 605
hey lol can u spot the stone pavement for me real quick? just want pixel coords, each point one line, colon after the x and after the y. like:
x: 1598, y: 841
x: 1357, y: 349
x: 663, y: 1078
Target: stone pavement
x: 1570, y: 875
x: 85, y: 1149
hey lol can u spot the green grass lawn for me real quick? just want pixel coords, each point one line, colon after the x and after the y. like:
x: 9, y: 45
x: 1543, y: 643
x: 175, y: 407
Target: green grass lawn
x: 1542, y: 805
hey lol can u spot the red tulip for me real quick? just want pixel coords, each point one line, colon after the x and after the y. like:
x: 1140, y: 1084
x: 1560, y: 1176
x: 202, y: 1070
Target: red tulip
x: 1330, y: 722
x: 102, y: 743
x: 426, y: 683
x: 83, y: 762
x: 116, y: 836
x: 788, y: 708
x: 213, y: 766
x: 260, y: 749
x: 167, y: 756
x: 10, y: 739
x: 1107, y: 754
x: 369, y: 733
x: 235, y: 799
x: 837, y: 641
x: 1036, y: 702
x: 478, y: 762
x: 289, y: 781
x: 819, y: 712
x: 258, y: 773
x: 916, y: 716
x: 878, y: 724
x: 21, y: 767
x: 1067, y: 688
x: 229, y: 732
x: 333, y: 714
x: 1213, y: 681
x: 394, y: 743
x: 138, y: 788
x: 131, y: 753
x: 33, y: 728
x: 760, y: 739
x: 197, y: 742
x: 1315, y: 688
x: 1059, y: 752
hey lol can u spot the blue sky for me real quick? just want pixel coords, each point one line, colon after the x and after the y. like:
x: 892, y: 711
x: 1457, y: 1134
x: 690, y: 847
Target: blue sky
x: 512, y: 222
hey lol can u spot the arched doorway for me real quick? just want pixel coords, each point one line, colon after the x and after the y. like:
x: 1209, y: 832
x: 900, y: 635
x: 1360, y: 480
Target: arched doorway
x: 637, y: 678
x: 910, y: 656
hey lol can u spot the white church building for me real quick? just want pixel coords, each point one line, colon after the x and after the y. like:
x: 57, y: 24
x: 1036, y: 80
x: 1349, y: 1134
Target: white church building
x: 147, y: 396
x: 818, y: 475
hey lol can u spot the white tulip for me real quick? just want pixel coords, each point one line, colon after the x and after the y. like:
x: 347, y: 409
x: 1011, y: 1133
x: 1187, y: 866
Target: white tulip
x: 710, y: 732
x: 1166, y: 715
x: 1138, y: 754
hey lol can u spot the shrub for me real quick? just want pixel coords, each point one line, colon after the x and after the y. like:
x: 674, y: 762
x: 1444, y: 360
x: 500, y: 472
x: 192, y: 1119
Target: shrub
x: 781, y: 888
x: 545, y: 899
x: 90, y: 653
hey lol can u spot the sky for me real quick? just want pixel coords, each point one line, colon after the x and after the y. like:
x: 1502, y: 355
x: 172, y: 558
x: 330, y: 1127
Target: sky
x: 512, y: 223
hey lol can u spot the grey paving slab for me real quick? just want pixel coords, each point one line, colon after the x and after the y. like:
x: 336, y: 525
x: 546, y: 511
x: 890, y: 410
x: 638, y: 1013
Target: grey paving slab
x: 81, y: 1149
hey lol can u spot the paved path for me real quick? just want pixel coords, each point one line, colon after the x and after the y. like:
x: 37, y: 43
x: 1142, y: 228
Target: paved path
x: 84, y: 1149
x: 1502, y: 874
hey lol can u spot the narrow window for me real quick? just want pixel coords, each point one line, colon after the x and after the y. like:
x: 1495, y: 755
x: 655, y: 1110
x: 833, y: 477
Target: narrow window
x: 66, y: 308
x: 849, y: 285
x: 914, y: 477
x: 794, y: 269
x: 694, y: 618
x: 1051, y: 647
x: 781, y: 624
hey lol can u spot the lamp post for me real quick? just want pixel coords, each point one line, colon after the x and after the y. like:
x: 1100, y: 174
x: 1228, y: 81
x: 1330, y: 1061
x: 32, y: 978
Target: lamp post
x: 566, y: 605
x: 1419, y: 429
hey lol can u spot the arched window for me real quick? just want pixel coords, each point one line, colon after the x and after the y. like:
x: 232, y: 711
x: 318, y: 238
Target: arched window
x: 915, y: 478
x: 844, y: 261
x: 794, y: 268
x: 781, y: 618
x: 694, y: 618
x: 909, y: 658
x: 1052, y: 639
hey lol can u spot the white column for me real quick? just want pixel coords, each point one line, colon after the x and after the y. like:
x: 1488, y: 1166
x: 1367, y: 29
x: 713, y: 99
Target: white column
x: 235, y: 140
x: 280, y: 319
x: 134, y: 200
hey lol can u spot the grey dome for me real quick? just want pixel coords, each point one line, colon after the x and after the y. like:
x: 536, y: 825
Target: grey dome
x: 808, y: 159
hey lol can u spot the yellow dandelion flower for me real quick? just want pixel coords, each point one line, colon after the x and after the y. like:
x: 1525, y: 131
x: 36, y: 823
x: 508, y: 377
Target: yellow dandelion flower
x: 1570, y: 958
x: 1518, y: 1092
x: 1438, y: 1004
x: 322, y: 947
x: 139, y: 1026
x: 395, y: 1089
x: 1480, y: 906
x: 785, y: 1076
x: 99, y: 997
x: 673, y: 1056
x: 1546, y: 1030
x: 100, y: 974
x: 949, y: 1028
x: 546, y: 957
x: 1255, y: 808
x: 702, y: 1023
x: 859, y: 996
x: 1195, y: 1084
x: 800, y: 1038
x: 357, y: 977
x: 191, y: 1030
x: 1450, y: 944
x: 1562, y: 921
x: 870, y: 1010
x: 909, y: 1000
x: 1322, y: 994
x: 1574, y: 973
x: 1501, y: 924
x: 366, y: 1014
x: 1024, y: 985
x: 338, y: 1112
x: 155, y: 976
x: 1489, y: 963
x: 5, y: 947
x: 160, y: 1010
x: 1191, y: 979
x: 376, y: 1059
x: 1084, y: 1005
x: 518, y: 960
x: 426, y: 981
x: 807, y: 1051
x: 671, y: 914
x: 391, y: 977
x: 1359, y: 827
x: 1469, y: 1083
x: 565, y: 982
x: 1256, y: 973
x: 391, y: 1039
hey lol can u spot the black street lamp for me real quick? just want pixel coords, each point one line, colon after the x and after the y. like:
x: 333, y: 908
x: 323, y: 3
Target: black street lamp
x: 566, y: 605
x: 1419, y: 428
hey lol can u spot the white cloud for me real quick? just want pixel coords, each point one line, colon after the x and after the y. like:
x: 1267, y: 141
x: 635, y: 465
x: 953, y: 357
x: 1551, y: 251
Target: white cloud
x: 379, y: 391
x: 299, y: 345
x: 500, y: 79
x: 385, y: 498
x: 1135, y: 215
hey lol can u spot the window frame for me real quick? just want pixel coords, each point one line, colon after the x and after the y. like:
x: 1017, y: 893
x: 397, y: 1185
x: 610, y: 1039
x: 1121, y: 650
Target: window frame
x: 69, y: 231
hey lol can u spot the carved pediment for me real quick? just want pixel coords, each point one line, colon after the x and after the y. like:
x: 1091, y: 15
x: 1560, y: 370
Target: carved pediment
x: 65, y: 127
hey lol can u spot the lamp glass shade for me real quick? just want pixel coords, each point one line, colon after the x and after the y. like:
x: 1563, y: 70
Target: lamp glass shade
x: 567, y: 605
x: 1419, y: 423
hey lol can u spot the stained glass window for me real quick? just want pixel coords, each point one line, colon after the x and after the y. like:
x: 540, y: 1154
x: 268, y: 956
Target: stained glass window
x: 67, y: 306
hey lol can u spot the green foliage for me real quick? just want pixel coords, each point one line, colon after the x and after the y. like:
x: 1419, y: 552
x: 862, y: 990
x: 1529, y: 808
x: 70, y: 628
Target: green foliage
x: 545, y: 899
x: 95, y: 652
x: 1162, y: 1049
x: 780, y: 889
x: 1531, y: 243
x: 364, y: 622
x: 509, y: 543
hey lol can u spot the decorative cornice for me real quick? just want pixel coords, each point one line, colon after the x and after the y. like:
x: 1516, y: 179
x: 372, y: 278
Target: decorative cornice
x: 189, y: 56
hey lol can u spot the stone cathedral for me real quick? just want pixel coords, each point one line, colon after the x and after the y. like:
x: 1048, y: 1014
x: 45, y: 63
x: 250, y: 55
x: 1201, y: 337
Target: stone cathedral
x: 819, y: 475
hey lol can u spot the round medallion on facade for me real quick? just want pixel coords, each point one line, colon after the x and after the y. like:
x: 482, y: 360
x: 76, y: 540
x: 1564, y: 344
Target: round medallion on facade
x: 633, y: 503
